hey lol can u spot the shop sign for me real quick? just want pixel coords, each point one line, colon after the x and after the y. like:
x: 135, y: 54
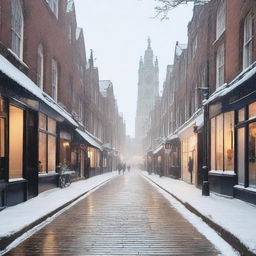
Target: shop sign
x: 65, y: 135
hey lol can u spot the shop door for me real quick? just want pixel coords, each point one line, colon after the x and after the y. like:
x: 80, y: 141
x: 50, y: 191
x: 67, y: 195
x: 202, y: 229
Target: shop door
x: 31, y: 153
x: 241, y: 155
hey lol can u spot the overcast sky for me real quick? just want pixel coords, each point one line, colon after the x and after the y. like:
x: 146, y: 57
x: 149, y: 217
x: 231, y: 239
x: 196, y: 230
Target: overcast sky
x: 117, y: 31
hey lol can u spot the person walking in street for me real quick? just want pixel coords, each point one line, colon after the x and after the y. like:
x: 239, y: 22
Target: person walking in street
x: 124, y: 167
x: 119, y: 167
x: 128, y: 168
x: 190, y: 168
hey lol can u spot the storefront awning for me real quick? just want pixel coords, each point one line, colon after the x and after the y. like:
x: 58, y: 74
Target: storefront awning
x: 157, y: 150
x: 89, y: 140
x: 8, y: 69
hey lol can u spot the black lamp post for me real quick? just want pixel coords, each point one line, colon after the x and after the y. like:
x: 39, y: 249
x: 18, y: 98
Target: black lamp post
x: 205, y: 169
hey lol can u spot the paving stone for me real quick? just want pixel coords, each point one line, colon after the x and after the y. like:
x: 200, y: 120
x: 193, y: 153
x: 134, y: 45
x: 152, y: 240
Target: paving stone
x: 127, y: 216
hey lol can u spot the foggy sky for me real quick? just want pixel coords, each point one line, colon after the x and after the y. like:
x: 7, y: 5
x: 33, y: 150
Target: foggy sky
x: 117, y: 31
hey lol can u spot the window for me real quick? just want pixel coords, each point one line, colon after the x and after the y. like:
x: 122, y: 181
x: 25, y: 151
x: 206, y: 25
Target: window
x: 54, y: 5
x: 80, y: 110
x: 47, y: 144
x: 40, y: 67
x: 17, y: 28
x: 16, y: 123
x: 2, y: 137
x: 70, y: 34
x: 221, y: 19
x: 222, y: 142
x: 93, y: 155
x: 220, y: 64
x: 54, y: 80
x: 252, y: 155
x: 247, y: 45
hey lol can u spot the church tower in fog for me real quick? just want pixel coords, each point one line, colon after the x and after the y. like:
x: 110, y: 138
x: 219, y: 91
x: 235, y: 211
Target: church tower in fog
x: 148, y: 91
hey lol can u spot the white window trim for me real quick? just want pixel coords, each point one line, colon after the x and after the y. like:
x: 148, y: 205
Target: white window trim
x: 17, y: 4
x: 54, y: 81
x: 247, y: 43
x: 40, y: 77
x: 220, y: 65
x: 221, y: 19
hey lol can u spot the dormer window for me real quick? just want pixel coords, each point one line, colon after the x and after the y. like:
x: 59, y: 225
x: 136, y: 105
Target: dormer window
x: 54, y: 5
x: 221, y: 19
x: 17, y: 28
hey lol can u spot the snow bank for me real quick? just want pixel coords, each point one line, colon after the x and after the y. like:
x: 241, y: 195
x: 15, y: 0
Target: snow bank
x: 15, y: 218
x: 234, y: 215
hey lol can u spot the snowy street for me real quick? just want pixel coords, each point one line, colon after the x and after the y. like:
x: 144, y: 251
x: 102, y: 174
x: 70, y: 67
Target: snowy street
x: 126, y: 216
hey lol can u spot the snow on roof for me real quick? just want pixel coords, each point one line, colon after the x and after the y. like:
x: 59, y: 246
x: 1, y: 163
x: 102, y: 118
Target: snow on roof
x: 20, y: 78
x: 70, y: 6
x: 238, y: 81
x: 158, y: 149
x: 78, y: 32
x: 180, y: 48
x: 104, y: 85
x: 87, y: 136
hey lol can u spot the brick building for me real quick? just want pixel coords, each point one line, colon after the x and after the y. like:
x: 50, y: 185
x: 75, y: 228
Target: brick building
x: 51, y: 107
x: 213, y: 85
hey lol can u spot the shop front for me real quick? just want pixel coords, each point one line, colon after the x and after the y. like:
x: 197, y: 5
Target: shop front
x: 159, y: 160
x: 232, y: 116
x: 190, y: 149
x: 173, y: 157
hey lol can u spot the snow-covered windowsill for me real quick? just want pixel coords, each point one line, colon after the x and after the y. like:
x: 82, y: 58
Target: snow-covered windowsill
x: 16, y: 180
x: 47, y: 174
x: 222, y: 173
x: 245, y: 188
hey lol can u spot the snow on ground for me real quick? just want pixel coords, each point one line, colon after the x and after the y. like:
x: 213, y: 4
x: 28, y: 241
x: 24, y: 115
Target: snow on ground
x: 221, y: 245
x: 15, y: 218
x: 234, y: 215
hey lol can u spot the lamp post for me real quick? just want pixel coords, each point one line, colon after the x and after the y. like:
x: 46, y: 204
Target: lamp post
x: 205, y: 169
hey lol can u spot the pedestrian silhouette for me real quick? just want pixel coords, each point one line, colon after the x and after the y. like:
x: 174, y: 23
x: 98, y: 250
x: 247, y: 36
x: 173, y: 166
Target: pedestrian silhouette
x: 190, y: 168
x: 128, y: 168
x: 124, y: 167
x: 119, y: 167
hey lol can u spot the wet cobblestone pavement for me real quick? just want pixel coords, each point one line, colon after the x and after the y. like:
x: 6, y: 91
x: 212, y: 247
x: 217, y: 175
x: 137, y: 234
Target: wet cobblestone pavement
x: 127, y: 216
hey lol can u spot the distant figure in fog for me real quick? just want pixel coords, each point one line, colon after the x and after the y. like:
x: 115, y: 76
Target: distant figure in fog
x: 119, y: 167
x: 128, y: 168
x: 124, y: 167
x: 190, y: 168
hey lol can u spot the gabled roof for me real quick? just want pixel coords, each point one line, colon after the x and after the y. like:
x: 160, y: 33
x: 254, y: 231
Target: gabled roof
x: 180, y: 48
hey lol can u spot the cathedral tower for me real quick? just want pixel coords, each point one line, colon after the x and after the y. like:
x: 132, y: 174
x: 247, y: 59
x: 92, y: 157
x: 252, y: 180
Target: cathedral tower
x: 148, y: 91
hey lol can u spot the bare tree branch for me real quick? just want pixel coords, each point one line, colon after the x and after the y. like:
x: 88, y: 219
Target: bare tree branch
x: 166, y: 5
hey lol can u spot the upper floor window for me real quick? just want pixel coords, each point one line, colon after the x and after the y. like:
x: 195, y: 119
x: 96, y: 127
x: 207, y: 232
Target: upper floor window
x: 54, y: 5
x: 221, y: 19
x: 54, y: 79
x: 17, y: 28
x: 220, y: 65
x: 247, y: 44
x: 40, y: 67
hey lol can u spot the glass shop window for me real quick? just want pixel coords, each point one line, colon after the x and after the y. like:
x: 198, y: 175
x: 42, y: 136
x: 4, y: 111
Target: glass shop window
x: 252, y: 154
x: 16, y: 128
x: 47, y: 144
x: 252, y: 110
x: 65, y: 152
x: 222, y: 142
x: 2, y: 137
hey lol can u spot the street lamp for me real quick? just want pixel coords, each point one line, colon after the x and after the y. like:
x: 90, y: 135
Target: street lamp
x: 205, y: 169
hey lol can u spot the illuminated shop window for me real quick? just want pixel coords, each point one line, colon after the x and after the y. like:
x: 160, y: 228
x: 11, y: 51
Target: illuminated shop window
x: 16, y: 123
x: 222, y: 142
x: 47, y: 144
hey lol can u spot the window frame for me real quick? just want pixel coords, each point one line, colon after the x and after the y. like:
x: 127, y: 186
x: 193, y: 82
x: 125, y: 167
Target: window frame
x: 247, y: 43
x: 47, y: 133
x: 220, y: 66
x: 221, y: 19
x: 40, y: 75
x: 54, y: 79
x: 16, y: 8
